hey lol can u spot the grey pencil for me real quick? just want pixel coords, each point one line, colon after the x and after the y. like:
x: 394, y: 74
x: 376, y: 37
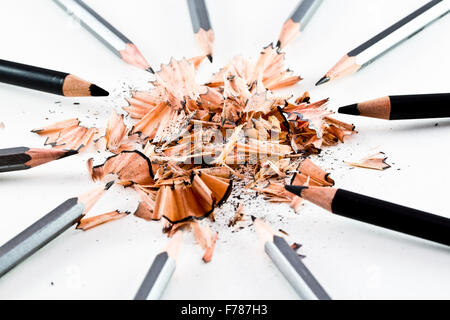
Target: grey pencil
x: 375, y: 47
x: 202, y: 26
x: 290, y: 264
x: 116, y: 41
x: 297, y: 21
x: 161, y: 271
x: 47, y: 228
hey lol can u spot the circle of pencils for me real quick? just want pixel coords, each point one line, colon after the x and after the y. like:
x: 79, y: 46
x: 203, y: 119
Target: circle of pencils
x: 46, y: 80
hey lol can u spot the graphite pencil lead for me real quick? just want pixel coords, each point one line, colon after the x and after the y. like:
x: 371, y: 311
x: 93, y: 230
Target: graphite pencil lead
x: 109, y: 185
x: 210, y: 58
x: 96, y: 91
x: 323, y: 80
x: 350, y: 109
x: 297, y: 190
x: 279, y: 44
x: 150, y: 69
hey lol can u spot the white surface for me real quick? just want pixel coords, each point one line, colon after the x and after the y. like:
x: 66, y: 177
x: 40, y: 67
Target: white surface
x: 351, y: 260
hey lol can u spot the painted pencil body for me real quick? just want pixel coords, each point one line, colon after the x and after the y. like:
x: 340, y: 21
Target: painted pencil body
x: 378, y: 212
x: 372, y: 49
x: 202, y: 26
x: 116, y: 41
x: 46, y: 229
x: 297, y: 21
x: 162, y: 269
x: 22, y: 158
x: 46, y: 80
x: 421, y: 106
x: 290, y: 264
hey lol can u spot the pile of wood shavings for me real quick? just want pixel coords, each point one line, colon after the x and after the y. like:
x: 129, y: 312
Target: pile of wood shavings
x: 189, y: 142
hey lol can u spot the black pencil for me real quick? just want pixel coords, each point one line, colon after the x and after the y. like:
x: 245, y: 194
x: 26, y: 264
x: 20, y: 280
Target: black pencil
x: 23, y: 158
x: 202, y: 26
x: 47, y: 228
x: 46, y: 80
x: 378, y: 212
x: 421, y: 106
x: 386, y: 40
x: 297, y: 21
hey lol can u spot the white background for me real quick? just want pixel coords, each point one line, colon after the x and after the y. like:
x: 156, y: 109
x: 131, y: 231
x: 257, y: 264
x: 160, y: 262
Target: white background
x: 351, y: 260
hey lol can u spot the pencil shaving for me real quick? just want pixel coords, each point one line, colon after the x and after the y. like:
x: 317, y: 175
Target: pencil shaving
x: 376, y: 162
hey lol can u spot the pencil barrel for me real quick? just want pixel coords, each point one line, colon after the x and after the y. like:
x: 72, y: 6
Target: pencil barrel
x: 293, y: 269
x: 14, y: 159
x: 199, y: 15
x: 32, y: 77
x: 157, y: 278
x: 39, y: 234
x: 420, y: 106
x: 392, y: 216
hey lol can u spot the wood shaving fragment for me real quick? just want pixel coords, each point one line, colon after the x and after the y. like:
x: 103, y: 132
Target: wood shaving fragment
x: 92, y: 222
x: 376, y: 162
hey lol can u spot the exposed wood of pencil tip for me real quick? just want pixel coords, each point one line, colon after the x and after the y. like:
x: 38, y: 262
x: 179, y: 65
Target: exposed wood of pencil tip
x: 173, y: 248
x: 265, y: 233
x: 289, y: 32
x: 133, y: 56
x: 205, y: 40
x: 89, y: 199
x: 77, y: 87
x: 345, y: 67
x: 379, y: 108
x: 320, y: 196
x: 41, y: 156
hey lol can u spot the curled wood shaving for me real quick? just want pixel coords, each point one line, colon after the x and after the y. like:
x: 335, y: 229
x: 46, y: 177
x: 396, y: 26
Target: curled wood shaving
x: 68, y: 135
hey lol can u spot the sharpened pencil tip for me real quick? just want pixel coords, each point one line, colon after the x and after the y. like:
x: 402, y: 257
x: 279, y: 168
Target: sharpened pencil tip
x: 109, y: 185
x: 96, y: 91
x: 324, y: 79
x: 150, y: 69
x: 350, y: 109
x: 210, y: 58
x: 297, y: 190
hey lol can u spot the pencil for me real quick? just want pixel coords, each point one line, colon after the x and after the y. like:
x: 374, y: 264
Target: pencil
x: 116, y: 41
x: 374, y: 48
x: 421, y: 106
x: 23, y: 158
x: 46, y: 80
x: 162, y: 269
x: 297, y: 21
x: 378, y: 212
x: 202, y: 26
x: 290, y: 264
x: 47, y: 228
